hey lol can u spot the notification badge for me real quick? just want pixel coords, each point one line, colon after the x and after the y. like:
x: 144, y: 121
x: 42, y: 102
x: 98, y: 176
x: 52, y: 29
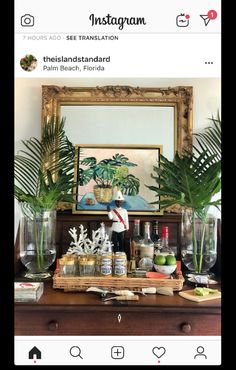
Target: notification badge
x: 210, y: 16
x: 182, y: 20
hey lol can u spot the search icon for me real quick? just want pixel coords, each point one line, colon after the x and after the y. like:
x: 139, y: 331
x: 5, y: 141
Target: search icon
x: 75, y: 351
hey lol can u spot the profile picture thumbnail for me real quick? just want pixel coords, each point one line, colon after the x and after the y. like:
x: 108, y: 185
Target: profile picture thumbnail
x: 28, y: 63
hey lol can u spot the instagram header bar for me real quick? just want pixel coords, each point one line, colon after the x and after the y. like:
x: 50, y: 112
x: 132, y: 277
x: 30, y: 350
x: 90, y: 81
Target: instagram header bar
x: 152, y: 16
x: 122, y: 39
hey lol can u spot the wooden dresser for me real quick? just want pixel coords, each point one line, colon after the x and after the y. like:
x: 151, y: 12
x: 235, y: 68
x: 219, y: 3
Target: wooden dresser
x: 63, y: 313
x: 59, y: 313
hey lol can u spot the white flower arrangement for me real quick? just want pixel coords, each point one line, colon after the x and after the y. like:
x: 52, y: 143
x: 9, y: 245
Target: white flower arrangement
x: 100, y: 241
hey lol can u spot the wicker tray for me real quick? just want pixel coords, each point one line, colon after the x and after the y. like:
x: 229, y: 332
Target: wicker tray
x: 80, y: 284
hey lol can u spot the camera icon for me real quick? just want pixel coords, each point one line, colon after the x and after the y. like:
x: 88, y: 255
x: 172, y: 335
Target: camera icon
x: 27, y: 20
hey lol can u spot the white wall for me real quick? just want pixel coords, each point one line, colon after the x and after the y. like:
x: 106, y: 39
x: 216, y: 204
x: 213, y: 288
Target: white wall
x: 206, y: 101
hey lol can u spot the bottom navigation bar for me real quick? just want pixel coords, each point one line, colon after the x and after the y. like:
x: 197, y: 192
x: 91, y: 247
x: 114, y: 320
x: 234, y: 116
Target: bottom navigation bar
x: 117, y: 350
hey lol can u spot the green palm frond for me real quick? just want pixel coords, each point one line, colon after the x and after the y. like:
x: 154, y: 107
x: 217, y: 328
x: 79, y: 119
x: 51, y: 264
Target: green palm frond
x: 44, y: 169
x: 210, y: 139
x: 188, y: 181
x: 191, y: 179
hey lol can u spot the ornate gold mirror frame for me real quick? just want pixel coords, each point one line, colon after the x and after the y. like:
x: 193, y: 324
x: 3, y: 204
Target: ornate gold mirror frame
x: 180, y: 98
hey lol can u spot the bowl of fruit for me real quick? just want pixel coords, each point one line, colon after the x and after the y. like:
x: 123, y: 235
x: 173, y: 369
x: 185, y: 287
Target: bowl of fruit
x: 165, y: 264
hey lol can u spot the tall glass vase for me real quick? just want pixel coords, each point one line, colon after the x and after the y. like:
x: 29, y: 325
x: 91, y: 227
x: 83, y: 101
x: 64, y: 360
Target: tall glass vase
x: 198, y: 242
x: 37, y: 243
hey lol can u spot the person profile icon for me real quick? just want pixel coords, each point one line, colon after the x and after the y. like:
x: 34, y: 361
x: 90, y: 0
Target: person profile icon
x: 200, y: 352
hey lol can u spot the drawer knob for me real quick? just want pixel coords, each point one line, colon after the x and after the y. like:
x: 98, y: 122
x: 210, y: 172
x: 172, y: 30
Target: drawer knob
x: 53, y: 325
x: 186, y: 327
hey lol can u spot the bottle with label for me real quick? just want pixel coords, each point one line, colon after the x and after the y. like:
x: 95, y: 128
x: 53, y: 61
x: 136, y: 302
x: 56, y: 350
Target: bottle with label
x: 136, y: 242
x: 147, y: 246
x: 165, y: 249
x: 155, y: 237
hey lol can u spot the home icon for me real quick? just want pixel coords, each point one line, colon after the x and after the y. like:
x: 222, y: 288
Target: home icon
x: 35, y: 353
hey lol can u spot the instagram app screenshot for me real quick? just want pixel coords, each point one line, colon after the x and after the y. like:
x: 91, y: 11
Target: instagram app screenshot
x: 117, y: 183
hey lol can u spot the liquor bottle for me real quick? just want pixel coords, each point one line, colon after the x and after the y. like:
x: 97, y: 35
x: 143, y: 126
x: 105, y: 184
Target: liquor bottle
x: 147, y: 246
x: 136, y: 242
x: 165, y: 248
x: 155, y: 237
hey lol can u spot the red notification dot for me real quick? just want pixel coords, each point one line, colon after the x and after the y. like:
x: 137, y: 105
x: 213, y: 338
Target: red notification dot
x: 212, y: 14
x: 187, y: 16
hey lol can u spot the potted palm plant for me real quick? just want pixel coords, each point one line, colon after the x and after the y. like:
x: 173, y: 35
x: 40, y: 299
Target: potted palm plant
x: 107, y: 174
x: 43, y: 177
x: 191, y: 181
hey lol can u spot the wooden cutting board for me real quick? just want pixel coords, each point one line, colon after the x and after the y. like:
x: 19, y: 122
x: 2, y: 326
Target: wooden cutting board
x: 189, y: 294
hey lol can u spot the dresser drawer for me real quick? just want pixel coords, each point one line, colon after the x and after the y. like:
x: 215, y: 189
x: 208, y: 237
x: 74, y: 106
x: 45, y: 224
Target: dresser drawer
x: 115, y: 323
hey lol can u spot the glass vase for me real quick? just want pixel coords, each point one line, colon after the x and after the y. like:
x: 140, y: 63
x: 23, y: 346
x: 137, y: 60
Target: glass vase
x: 198, y: 242
x: 37, y: 243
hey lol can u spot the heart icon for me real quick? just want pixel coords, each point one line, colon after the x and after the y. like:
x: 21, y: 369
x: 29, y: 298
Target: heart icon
x: 159, y: 351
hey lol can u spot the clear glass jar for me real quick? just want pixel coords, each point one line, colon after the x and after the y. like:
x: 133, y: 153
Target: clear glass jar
x: 87, y: 265
x: 67, y: 268
x: 68, y: 265
x: 106, y: 264
x: 120, y: 264
x: 98, y: 264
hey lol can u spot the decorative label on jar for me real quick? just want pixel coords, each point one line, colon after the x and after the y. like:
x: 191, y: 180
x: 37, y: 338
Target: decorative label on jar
x: 120, y: 270
x: 106, y: 270
x: 106, y: 265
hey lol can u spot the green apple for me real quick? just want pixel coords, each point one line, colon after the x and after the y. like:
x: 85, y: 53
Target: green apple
x: 170, y: 260
x: 160, y: 260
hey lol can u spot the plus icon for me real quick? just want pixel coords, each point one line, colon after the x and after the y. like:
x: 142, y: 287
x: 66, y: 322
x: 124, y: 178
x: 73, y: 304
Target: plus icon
x: 117, y: 352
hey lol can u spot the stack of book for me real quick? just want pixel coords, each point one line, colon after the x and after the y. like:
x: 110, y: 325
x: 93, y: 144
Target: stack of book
x: 28, y: 292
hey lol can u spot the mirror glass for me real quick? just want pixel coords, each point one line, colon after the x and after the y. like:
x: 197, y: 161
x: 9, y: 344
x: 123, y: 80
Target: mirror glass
x: 153, y: 125
x: 123, y: 115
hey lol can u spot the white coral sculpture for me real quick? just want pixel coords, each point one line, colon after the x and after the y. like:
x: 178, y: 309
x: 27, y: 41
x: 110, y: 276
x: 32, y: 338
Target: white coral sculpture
x: 81, y: 246
x: 99, y: 243
x: 100, y: 240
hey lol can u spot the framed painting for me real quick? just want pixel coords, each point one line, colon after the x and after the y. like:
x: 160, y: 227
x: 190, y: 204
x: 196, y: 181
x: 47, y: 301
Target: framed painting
x: 102, y: 170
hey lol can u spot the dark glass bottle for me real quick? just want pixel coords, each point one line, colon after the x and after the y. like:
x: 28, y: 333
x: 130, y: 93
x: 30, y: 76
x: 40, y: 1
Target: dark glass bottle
x: 136, y: 241
x: 155, y: 237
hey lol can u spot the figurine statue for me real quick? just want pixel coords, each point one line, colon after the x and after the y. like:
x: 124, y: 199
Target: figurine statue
x: 120, y: 223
